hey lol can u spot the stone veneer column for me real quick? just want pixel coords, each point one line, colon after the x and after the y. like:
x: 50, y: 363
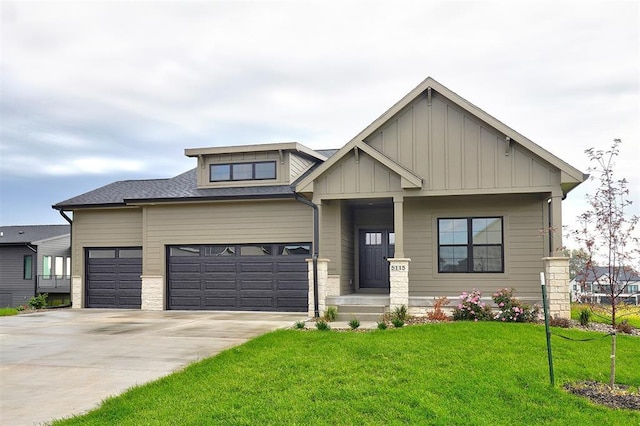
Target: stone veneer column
x: 323, y: 276
x: 556, y: 271
x: 398, y: 282
x: 152, y: 293
x: 76, y: 292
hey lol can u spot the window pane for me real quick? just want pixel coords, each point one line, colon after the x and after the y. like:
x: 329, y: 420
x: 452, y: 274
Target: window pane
x: 292, y: 249
x: 46, y: 267
x: 392, y: 238
x: 487, y: 231
x: 242, y: 171
x: 102, y: 254
x: 68, y: 270
x: 487, y: 259
x: 453, y: 231
x: 59, y: 269
x: 265, y: 170
x: 255, y: 251
x: 130, y: 254
x: 373, y: 238
x: 184, y: 251
x: 212, y: 251
x: 453, y: 259
x: 28, y: 267
x: 220, y: 172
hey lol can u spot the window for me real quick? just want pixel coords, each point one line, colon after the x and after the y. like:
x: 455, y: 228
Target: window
x: 46, y: 267
x: 255, y: 250
x: 27, y: 264
x: 59, y: 267
x: 68, y: 270
x: 294, y: 249
x: 470, y: 245
x: 242, y: 171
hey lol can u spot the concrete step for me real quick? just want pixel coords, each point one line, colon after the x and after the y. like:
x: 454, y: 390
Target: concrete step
x: 361, y: 312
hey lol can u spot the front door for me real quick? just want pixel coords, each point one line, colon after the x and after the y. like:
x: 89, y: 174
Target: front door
x: 376, y: 245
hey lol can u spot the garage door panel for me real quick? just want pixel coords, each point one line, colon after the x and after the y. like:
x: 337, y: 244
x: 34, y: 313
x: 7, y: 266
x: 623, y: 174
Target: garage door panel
x: 184, y: 284
x: 270, y: 282
x: 113, y: 281
x: 101, y: 269
x: 102, y: 285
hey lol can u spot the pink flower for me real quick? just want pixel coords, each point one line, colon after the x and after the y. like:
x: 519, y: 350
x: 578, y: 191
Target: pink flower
x: 503, y: 319
x: 501, y: 304
x: 460, y: 306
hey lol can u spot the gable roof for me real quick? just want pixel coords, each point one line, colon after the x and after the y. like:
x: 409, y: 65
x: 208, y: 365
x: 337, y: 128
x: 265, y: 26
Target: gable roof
x: 28, y: 234
x: 570, y: 176
x: 603, y: 271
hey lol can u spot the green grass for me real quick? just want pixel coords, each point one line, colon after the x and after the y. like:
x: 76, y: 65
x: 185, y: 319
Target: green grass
x: 630, y: 313
x: 7, y: 312
x: 441, y: 374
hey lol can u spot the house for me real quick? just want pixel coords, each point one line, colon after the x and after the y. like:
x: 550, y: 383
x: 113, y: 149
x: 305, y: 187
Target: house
x: 433, y: 198
x: 34, y: 259
x: 594, y: 286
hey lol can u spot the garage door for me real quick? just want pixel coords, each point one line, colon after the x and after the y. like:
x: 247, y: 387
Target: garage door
x: 113, y: 277
x: 250, y: 277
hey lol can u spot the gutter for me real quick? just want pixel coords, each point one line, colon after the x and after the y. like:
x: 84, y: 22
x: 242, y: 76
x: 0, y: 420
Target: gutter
x: 316, y: 250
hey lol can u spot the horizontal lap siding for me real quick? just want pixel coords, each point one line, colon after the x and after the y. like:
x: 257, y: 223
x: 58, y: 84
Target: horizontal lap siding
x: 524, y: 247
x: 222, y: 223
x: 14, y: 289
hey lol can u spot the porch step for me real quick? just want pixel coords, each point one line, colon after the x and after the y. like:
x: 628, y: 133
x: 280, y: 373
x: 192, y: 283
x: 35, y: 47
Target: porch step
x: 361, y: 312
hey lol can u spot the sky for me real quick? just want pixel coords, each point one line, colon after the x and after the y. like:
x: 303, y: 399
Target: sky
x: 94, y: 92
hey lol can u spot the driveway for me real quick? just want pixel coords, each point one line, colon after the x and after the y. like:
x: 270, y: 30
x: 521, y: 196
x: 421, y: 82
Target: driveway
x: 57, y: 363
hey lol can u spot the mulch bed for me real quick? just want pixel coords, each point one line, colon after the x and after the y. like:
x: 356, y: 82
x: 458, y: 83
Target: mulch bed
x: 620, y: 396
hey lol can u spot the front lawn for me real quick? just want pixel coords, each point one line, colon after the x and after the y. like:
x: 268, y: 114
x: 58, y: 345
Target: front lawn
x: 442, y: 374
x: 7, y: 312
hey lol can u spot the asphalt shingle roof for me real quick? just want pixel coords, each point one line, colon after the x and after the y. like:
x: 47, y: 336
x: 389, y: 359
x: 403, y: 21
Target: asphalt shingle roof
x: 24, y: 234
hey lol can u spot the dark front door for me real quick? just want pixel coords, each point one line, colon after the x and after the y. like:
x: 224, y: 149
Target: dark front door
x: 376, y: 245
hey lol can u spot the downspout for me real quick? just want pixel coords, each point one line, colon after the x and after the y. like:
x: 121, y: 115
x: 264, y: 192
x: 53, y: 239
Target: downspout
x: 68, y: 219
x: 316, y: 250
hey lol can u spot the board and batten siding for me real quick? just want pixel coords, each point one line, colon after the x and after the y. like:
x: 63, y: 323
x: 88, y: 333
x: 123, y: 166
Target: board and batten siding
x: 452, y: 150
x: 117, y: 227
x: 524, y: 246
x: 265, y: 221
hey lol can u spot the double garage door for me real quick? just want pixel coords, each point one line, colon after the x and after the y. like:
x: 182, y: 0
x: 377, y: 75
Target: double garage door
x: 244, y: 277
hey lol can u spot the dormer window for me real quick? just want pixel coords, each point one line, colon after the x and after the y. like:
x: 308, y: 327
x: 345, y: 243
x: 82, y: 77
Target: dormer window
x: 242, y: 171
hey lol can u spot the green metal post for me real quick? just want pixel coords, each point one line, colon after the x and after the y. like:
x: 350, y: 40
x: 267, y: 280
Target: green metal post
x: 546, y: 326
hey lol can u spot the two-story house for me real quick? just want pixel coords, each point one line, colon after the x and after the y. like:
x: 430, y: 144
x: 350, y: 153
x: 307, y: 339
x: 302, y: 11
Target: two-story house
x: 433, y: 198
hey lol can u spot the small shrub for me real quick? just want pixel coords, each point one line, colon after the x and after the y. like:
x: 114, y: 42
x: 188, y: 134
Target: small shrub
x: 330, y: 314
x: 438, y: 314
x: 39, y: 301
x: 382, y: 325
x: 299, y: 325
x: 397, y: 322
x: 511, y: 309
x: 585, y: 317
x: 471, y: 308
x: 21, y: 308
x: 559, y: 322
x: 354, y: 323
x: 624, y: 327
x: 322, y: 325
x: 400, y: 312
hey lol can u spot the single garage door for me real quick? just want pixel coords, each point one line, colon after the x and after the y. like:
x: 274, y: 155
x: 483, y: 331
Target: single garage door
x: 113, y: 277
x: 247, y: 277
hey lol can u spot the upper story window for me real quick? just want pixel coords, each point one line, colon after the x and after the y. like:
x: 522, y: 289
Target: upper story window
x: 470, y: 245
x: 242, y: 171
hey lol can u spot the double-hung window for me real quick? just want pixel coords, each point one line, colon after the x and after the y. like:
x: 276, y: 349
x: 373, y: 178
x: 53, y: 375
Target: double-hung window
x: 470, y: 245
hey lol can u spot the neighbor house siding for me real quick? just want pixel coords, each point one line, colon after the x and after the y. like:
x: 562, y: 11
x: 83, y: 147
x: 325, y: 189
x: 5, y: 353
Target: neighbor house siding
x: 454, y: 151
x: 222, y: 223
x: 55, y: 247
x: 14, y: 289
x: 523, y: 244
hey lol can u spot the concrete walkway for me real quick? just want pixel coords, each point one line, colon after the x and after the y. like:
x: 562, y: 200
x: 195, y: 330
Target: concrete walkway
x: 57, y: 363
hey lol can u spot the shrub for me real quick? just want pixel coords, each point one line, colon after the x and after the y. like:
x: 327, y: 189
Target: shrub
x: 624, y: 327
x: 438, y: 314
x: 299, y: 325
x: 397, y: 322
x: 382, y: 325
x: 39, y: 301
x: 400, y: 312
x: 511, y: 309
x: 330, y: 314
x: 560, y: 322
x: 322, y: 325
x: 471, y: 308
x: 585, y: 317
x: 354, y: 323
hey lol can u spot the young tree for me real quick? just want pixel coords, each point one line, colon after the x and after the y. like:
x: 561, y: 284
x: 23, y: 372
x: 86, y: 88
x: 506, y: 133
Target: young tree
x: 607, y: 234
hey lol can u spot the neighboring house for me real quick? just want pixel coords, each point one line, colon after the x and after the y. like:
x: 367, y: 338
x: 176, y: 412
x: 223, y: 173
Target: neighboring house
x: 433, y: 198
x: 34, y: 259
x: 594, y: 286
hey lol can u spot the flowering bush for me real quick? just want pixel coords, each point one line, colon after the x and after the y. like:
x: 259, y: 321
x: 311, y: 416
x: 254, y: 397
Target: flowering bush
x: 471, y: 308
x: 511, y: 309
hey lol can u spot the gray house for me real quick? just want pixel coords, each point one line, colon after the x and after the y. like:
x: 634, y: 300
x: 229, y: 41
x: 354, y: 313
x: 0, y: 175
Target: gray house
x: 34, y: 259
x: 433, y: 198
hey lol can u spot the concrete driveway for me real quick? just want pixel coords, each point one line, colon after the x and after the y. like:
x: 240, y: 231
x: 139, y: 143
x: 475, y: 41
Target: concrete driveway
x: 57, y: 363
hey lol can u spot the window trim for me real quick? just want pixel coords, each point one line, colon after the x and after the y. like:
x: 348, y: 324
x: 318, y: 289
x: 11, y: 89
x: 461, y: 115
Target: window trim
x: 253, y: 171
x: 470, y: 246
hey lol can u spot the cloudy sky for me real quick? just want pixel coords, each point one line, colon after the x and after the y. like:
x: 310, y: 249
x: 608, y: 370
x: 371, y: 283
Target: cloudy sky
x: 93, y: 92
